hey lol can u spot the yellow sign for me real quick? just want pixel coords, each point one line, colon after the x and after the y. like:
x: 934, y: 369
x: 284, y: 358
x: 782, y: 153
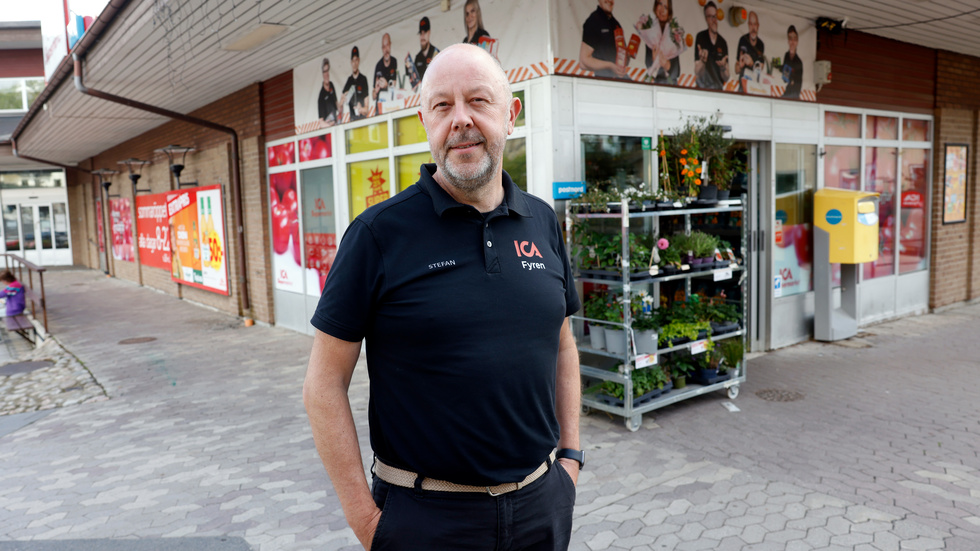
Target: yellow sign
x: 409, y: 167
x: 369, y: 184
x: 367, y: 138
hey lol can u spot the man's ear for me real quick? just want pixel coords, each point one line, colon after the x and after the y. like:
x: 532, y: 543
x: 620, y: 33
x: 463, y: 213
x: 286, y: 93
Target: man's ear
x: 513, y: 112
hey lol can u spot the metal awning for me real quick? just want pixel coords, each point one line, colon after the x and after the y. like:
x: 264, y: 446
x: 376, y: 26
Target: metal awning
x: 171, y: 54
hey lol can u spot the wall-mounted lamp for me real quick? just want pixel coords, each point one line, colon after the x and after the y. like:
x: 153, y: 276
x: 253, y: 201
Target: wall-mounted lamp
x: 173, y: 152
x: 104, y: 181
x: 135, y: 166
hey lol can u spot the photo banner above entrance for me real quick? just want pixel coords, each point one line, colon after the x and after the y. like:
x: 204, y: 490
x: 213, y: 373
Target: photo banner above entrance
x: 688, y: 43
x: 380, y: 73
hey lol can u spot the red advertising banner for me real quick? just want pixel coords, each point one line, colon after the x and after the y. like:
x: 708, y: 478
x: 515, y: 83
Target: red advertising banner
x: 122, y: 230
x: 153, y: 230
x: 197, y: 238
x: 286, y: 245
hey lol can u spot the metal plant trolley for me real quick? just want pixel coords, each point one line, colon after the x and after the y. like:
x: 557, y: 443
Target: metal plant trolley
x: 631, y: 278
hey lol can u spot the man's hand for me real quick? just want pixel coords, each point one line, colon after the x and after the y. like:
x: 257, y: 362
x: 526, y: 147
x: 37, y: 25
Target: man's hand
x: 571, y: 467
x: 365, y: 532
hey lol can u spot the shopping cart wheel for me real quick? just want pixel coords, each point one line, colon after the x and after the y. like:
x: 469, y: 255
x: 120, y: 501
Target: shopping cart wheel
x: 733, y: 392
x: 633, y: 423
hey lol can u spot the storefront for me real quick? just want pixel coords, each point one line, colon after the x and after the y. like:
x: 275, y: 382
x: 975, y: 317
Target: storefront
x: 332, y: 172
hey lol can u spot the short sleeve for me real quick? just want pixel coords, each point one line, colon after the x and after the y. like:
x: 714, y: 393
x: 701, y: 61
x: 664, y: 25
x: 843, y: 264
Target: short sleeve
x: 572, y: 302
x: 355, y: 281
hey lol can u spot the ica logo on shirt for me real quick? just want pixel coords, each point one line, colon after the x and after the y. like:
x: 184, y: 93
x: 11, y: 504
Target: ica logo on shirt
x: 527, y: 249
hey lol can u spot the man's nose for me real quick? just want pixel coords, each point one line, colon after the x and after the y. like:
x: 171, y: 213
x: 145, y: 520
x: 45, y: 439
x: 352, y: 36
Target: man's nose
x: 461, y: 115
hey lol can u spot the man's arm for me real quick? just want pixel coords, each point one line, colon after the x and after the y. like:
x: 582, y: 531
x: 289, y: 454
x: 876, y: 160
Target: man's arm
x: 568, y: 397
x: 591, y: 63
x: 328, y: 377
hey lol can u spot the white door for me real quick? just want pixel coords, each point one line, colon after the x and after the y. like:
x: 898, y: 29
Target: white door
x: 38, y: 233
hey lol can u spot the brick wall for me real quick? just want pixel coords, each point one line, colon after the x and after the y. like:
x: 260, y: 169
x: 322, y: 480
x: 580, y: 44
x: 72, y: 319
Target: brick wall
x: 879, y: 73
x: 209, y: 164
x: 277, y: 106
x: 955, y: 257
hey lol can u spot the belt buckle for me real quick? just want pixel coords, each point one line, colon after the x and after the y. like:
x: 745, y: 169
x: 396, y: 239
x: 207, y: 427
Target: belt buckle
x: 489, y: 491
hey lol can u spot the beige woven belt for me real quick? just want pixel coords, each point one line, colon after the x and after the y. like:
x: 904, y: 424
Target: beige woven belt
x: 406, y: 479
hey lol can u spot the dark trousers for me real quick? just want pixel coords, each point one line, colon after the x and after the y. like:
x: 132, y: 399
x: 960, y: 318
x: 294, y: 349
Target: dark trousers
x: 537, y: 517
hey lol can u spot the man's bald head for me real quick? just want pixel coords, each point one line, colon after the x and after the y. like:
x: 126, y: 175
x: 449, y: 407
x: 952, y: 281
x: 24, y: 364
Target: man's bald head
x: 458, y: 54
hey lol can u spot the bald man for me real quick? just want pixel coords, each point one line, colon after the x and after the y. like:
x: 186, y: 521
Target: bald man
x: 461, y: 289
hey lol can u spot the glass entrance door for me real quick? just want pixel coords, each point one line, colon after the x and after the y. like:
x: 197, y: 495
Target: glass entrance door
x: 38, y: 233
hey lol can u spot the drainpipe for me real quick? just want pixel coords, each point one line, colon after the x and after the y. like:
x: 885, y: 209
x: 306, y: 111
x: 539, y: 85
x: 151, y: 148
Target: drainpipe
x: 236, y: 184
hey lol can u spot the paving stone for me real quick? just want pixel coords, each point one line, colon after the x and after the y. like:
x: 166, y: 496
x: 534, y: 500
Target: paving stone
x: 162, y: 454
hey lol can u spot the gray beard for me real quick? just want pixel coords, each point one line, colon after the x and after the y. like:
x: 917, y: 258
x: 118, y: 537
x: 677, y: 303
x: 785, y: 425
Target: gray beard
x: 478, y: 178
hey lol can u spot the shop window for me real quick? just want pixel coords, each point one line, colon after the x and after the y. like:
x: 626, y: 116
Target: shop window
x: 34, y: 178
x: 796, y: 178
x: 915, y: 218
x: 44, y: 223
x: 368, y: 183
x: 33, y: 87
x: 841, y: 125
x: 409, y: 130
x: 520, y: 116
x: 27, y: 227
x: 367, y: 138
x: 881, y: 128
x: 11, y: 231
x: 842, y: 167
x: 914, y: 130
x: 880, y: 166
x: 515, y: 161
x: 615, y: 160
x: 409, y: 168
x: 60, y: 225
x: 319, y: 226
x: 11, y: 94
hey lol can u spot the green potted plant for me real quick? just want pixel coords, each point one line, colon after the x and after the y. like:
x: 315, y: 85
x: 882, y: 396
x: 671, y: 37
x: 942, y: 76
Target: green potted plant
x: 703, y: 246
x: 680, y: 368
x: 722, y: 315
x: 595, y: 309
x: 706, y: 368
x: 644, y: 323
x: 648, y: 383
x: 732, y: 353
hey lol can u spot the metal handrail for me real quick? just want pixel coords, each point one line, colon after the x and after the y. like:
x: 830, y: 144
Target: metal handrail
x: 31, y: 268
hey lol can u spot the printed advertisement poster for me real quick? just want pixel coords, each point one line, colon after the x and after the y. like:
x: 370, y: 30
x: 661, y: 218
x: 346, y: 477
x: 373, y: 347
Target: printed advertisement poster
x: 286, y: 247
x: 380, y: 73
x: 197, y: 238
x: 689, y: 43
x: 954, y: 188
x: 791, y: 256
x: 368, y: 181
x: 98, y: 225
x: 153, y: 230
x: 122, y: 229
x: 319, y: 227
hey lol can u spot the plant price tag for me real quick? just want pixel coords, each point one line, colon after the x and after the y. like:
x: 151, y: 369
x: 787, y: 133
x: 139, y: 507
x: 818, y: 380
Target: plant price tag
x: 723, y: 274
x: 644, y: 360
x: 698, y: 347
x: 654, y: 270
x: 685, y: 266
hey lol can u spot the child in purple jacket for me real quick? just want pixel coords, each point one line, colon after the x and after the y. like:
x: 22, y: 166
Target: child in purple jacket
x: 14, y: 292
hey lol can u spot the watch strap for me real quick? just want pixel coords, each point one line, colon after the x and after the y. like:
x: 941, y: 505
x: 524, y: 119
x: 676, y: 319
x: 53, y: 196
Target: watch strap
x: 568, y: 453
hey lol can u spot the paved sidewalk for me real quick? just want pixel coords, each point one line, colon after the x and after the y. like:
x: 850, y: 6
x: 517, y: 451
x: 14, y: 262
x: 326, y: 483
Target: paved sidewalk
x: 204, y: 436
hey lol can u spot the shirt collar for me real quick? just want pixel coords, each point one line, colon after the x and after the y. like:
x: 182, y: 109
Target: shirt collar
x: 514, y: 199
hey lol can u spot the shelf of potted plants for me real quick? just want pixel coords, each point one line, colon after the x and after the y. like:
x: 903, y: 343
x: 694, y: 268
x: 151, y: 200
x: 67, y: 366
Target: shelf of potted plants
x: 633, y: 340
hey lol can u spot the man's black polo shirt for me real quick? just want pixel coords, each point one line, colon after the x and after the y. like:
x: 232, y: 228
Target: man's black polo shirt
x: 461, y: 314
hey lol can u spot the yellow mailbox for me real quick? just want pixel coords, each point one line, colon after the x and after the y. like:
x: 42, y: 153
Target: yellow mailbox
x: 851, y: 220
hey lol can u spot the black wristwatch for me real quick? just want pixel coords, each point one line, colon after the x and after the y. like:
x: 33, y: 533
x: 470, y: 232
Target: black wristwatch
x: 577, y: 455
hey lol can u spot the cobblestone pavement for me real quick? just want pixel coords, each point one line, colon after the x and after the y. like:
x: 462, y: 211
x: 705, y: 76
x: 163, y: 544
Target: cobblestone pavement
x: 203, y: 435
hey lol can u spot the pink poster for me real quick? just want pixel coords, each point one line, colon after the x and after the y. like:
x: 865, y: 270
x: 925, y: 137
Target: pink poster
x: 122, y: 230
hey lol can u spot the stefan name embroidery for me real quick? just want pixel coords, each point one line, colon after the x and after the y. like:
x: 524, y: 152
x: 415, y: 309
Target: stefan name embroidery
x: 442, y: 264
